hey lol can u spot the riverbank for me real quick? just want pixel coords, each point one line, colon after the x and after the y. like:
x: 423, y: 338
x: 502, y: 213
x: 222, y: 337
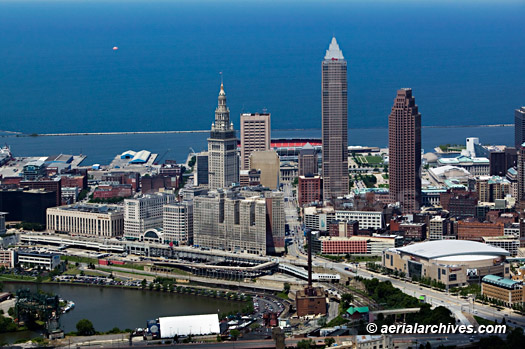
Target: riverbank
x: 124, y: 307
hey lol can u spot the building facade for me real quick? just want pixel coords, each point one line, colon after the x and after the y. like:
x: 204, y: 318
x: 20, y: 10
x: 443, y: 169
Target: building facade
x: 249, y: 222
x: 308, y: 161
x: 144, y: 213
x: 201, y: 169
x: 2, y: 223
x: 223, y: 162
x: 508, y: 291
x: 475, y: 231
x: 86, y: 220
x: 267, y: 162
x: 178, y: 223
x: 334, y: 107
x: 255, y: 135
x: 452, y: 262
x: 404, y: 143
x: 519, y: 127
x: 309, y: 189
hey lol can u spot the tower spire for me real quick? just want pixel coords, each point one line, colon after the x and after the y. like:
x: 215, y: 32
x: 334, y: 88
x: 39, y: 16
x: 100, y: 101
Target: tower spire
x: 222, y: 113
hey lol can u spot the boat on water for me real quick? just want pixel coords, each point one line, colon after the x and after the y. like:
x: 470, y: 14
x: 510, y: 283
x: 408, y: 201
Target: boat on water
x: 69, y: 306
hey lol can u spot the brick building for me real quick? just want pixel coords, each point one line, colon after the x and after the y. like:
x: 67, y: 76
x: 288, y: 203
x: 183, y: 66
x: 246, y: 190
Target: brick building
x: 309, y: 189
x: 113, y: 191
x: 475, y: 231
x: 459, y: 202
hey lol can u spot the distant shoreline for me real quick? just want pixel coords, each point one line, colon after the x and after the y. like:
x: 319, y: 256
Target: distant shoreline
x: 114, y: 133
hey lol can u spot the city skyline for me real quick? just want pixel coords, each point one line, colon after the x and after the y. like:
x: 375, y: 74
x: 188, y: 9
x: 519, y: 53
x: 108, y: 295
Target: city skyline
x: 277, y: 216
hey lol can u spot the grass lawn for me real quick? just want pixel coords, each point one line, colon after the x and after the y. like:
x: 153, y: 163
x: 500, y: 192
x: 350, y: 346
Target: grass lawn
x: 76, y: 271
x: 88, y: 260
x: 482, y: 321
x: 12, y: 277
x: 282, y: 295
x: 131, y: 272
x: 76, y: 259
x: 374, y: 160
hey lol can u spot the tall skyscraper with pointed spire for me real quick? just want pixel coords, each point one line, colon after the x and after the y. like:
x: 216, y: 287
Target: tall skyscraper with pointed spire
x: 404, y: 151
x: 223, y: 162
x: 335, y: 123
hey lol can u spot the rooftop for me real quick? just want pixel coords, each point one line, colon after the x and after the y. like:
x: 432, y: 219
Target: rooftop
x: 451, y: 248
x: 502, y: 282
x: 90, y: 208
x: 361, y: 310
x: 334, y: 52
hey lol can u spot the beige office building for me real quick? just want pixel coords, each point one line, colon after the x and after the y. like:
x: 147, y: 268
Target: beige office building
x: 255, y: 136
x: 86, y: 220
x: 244, y: 221
x: 268, y: 163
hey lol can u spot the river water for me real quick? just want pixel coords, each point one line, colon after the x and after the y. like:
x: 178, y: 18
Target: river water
x: 120, y: 307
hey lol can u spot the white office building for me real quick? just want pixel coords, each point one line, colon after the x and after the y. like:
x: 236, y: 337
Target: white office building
x: 86, y: 220
x: 178, y: 223
x: 144, y: 213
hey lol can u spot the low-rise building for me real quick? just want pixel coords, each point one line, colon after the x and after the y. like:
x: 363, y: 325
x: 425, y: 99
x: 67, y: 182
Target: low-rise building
x: 113, y: 191
x: 86, y: 220
x: 508, y: 291
x: 366, y: 245
x: 477, y: 166
x: 437, y: 228
x: 509, y: 243
x: 366, y: 219
x: 31, y: 259
x: 475, y: 231
x: 288, y: 171
x: 7, y: 258
x: 318, y: 218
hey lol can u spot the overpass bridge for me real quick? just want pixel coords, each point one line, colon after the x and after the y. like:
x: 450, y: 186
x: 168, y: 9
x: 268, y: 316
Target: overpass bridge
x: 303, y: 273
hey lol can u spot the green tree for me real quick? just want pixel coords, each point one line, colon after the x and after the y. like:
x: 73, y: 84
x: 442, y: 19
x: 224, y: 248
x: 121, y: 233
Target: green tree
x: 235, y: 334
x: 143, y: 283
x: 305, y: 344
x: 329, y: 341
x: 85, y: 328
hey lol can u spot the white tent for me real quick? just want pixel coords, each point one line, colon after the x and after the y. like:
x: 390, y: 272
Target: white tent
x: 186, y: 325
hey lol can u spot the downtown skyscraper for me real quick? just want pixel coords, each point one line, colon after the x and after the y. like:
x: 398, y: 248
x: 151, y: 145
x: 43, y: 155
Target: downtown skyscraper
x: 404, y: 144
x: 519, y: 127
x: 255, y: 135
x: 334, y: 105
x: 223, y: 162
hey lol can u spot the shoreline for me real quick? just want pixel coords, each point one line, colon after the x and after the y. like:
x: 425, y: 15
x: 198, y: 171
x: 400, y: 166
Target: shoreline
x: 116, y: 133
x: 135, y: 288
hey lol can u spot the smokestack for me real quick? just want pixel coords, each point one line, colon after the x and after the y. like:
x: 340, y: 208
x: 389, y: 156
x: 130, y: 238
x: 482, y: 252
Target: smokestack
x: 309, y: 258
